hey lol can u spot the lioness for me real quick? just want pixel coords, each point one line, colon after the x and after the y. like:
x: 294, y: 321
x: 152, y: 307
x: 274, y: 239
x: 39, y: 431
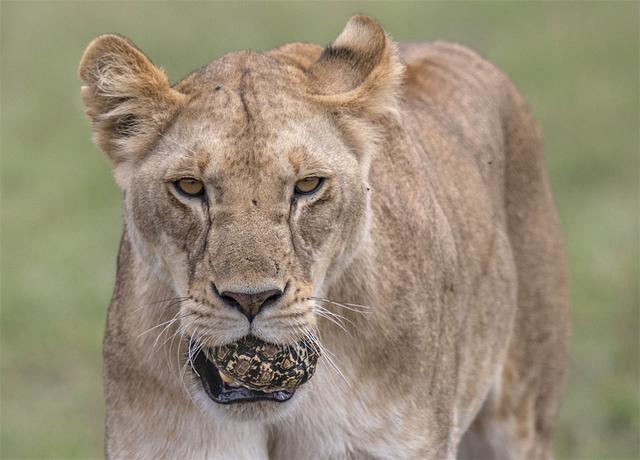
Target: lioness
x: 378, y: 213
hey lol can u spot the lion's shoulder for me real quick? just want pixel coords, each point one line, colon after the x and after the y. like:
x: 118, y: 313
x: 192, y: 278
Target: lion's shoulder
x: 447, y: 55
x: 446, y: 66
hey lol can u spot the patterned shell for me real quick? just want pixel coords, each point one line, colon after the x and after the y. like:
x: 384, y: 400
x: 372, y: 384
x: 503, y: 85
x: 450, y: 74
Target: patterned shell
x: 264, y: 366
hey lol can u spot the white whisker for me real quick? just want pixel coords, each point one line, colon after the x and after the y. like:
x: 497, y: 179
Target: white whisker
x: 174, y: 301
x: 334, y: 318
x: 337, y: 316
x: 175, y: 318
x: 362, y: 309
x: 328, y: 356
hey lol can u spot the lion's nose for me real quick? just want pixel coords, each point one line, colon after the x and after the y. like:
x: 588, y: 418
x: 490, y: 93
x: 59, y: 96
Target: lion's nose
x: 250, y: 303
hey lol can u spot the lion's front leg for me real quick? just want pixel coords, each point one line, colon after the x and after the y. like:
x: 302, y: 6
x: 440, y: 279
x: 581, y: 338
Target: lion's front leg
x: 516, y: 421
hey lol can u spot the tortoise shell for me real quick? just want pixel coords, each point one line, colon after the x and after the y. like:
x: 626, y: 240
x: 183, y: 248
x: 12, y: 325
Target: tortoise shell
x: 264, y: 366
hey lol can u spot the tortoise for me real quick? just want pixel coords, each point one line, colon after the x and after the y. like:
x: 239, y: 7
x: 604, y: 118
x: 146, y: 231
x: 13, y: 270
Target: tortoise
x: 264, y: 366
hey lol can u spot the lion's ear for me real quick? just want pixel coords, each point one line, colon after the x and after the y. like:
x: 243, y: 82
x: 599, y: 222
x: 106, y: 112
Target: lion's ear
x: 360, y: 72
x: 128, y: 99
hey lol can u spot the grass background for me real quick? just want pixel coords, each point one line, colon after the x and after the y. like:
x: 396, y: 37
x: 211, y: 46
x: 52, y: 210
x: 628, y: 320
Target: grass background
x: 576, y: 62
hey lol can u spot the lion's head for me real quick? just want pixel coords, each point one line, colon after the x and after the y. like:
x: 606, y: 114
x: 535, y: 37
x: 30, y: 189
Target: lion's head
x: 245, y: 184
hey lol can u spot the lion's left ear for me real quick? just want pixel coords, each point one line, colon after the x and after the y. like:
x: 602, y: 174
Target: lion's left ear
x: 360, y: 73
x: 128, y: 99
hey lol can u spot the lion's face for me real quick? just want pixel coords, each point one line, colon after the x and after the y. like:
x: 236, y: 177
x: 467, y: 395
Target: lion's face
x: 245, y: 189
x: 277, y: 200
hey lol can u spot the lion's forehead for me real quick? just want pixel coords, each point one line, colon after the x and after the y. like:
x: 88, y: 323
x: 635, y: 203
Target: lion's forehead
x: 226, y: 145
x: 209, y: 150
x: 244, y: 90
x: 249, y: 112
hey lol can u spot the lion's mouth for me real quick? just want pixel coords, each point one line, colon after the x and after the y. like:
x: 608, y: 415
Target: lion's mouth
x: 223, y: 392
x: 253, y: 370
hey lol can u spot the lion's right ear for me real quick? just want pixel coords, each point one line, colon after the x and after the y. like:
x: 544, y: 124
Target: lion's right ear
x: 128, y: 99
x: 360, y: 73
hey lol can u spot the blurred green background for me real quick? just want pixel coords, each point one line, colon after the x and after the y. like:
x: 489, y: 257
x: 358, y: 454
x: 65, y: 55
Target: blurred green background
x: 576, y: 62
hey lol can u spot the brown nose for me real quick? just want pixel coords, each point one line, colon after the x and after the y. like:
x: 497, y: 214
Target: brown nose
x: 251, y: 304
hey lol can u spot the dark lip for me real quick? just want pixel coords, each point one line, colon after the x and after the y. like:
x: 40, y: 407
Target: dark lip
x: 222, y: 393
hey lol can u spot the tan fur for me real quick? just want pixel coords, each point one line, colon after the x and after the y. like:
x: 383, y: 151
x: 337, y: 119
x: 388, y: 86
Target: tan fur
x: 435, y: 213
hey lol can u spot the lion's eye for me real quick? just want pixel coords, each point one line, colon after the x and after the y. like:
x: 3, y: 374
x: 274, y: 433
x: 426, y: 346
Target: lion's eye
x: 190, y: 187
x: 308, y: 185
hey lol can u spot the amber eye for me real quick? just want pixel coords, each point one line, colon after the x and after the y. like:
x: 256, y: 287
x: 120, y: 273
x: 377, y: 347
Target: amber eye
x: 308, y: 185
x: 190, y: 187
